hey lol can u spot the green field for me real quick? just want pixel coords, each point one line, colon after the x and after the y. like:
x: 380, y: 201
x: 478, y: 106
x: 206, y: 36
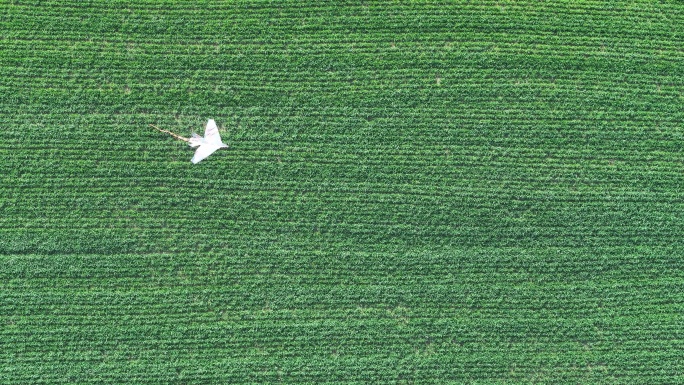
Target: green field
x: 484, y: 192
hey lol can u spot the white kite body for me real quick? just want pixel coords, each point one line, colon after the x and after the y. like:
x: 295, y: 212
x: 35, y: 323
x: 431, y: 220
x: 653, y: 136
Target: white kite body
x: 208, y: 144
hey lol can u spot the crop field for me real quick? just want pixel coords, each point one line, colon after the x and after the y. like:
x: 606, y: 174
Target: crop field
x: 466, y: 192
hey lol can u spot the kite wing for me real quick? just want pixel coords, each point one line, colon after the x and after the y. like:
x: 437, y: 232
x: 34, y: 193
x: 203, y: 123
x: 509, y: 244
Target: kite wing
x: 202, y: 152
x: 211, y: 134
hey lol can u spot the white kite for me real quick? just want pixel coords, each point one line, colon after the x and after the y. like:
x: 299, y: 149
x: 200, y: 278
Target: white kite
x: 206, y: 145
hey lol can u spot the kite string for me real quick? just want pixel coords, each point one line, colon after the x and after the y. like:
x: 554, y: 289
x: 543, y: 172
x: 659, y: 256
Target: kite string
x: 171, y: 133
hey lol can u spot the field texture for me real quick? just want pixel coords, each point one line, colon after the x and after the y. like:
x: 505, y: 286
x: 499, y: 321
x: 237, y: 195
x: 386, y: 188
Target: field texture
x: 481, y: 192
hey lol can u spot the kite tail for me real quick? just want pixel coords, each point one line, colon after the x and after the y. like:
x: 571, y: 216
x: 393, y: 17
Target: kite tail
x: 171, y: 133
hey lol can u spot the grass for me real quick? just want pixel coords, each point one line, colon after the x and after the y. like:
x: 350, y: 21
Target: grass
x: 416, y: 192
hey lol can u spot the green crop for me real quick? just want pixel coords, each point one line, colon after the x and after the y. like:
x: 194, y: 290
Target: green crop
x: 481, y: 192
